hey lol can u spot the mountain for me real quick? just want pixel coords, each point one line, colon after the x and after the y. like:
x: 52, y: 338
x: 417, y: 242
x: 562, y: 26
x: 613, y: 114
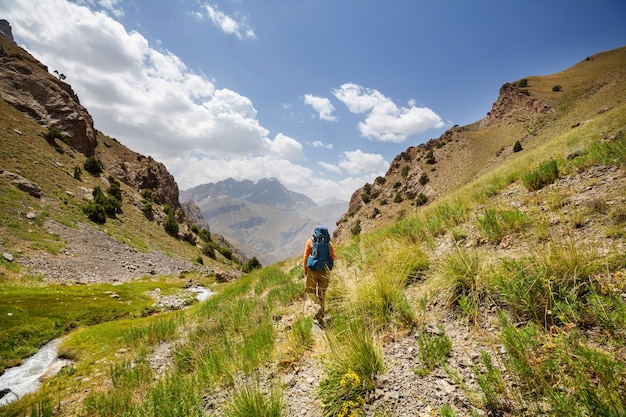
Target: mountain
x: 266, y: 191
x: 532, y: 111
x: 485, y: 277
x: 262, y: 218
x: 52, y: 162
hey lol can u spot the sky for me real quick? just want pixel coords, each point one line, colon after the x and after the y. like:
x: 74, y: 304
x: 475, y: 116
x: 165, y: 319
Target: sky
x: 320, y: 94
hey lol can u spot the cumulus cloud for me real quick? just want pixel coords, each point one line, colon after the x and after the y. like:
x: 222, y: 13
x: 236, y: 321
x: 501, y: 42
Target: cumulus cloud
x: 284, y: 147
x: 148, y: 99
x: 232, y: 25
x: 322, y: 106
x: 357, y: 162
x: 386, y: 121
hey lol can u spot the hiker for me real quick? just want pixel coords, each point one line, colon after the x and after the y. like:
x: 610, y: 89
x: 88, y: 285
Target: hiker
x: 318, y: 259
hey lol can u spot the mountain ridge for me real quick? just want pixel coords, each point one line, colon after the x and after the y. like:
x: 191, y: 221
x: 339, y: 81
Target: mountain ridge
x: 263, y: 218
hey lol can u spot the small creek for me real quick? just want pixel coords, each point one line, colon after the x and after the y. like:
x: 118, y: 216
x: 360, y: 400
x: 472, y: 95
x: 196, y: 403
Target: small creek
x: 24, y: 379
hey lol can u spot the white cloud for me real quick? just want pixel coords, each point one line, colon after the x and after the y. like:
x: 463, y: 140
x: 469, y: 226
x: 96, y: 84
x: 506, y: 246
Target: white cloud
x: 236, y: 25
x: 155, y: 105
x: 357, y: 98
x: 330, y: 167
x: 321, y: 145
x: 385, y: 121
x: 356, y: 162
x: 322, y: 106
x: 284, y: 147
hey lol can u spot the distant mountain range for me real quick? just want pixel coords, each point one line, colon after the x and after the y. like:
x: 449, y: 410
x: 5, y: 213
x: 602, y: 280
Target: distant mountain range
x: 263, y: 218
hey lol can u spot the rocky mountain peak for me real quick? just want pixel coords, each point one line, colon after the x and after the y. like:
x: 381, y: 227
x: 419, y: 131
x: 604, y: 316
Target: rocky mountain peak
x: 5, y: 29
x: 266, y: 191
x: 26, y: 85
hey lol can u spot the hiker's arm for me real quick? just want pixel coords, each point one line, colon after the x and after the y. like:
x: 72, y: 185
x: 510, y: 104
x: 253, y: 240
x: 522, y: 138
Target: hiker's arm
x: 307, y: 252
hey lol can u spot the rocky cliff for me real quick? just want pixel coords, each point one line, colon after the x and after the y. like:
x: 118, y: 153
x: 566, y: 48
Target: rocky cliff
x: 26, y: 84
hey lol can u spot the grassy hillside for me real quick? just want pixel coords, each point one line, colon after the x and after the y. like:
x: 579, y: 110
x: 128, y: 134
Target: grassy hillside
x: 465, y: 153
x: 506, y: 295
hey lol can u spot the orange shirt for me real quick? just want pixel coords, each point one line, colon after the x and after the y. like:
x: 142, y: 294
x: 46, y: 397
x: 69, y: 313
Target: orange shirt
x: 309, y: 247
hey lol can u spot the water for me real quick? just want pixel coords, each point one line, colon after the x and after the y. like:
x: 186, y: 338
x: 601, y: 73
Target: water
x: 24, y: 379
x: 203, y: 293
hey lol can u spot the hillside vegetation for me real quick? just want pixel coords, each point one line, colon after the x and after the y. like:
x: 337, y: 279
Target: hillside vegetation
x: 505, y: 294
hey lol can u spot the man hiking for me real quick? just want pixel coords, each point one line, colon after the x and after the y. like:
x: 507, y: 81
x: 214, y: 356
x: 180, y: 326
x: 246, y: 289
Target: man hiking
x: 318, y: 260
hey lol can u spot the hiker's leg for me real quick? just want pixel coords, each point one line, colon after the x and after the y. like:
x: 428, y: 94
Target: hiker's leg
x: 311, y: 286
x: 322, y: 286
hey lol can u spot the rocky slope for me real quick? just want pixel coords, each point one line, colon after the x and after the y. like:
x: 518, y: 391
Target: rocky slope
x: 532, y: 111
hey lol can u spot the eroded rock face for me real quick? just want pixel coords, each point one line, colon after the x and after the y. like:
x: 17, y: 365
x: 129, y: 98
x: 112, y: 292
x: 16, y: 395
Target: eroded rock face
x: 26, y: 85
x: 512, y: 97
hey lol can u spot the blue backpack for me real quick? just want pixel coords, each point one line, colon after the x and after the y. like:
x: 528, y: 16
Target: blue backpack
x: 320, y: 258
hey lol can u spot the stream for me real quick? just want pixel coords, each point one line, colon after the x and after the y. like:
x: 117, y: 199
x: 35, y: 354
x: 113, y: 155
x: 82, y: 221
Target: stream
x: 24, y: 379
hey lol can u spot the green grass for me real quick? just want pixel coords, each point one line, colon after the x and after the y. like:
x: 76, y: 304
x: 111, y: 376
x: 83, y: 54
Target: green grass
x: 250, y: 400
x: 350, y: 369
x: 30, y: 316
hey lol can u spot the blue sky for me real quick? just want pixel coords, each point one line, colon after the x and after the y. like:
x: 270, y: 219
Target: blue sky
x: 320, y: 94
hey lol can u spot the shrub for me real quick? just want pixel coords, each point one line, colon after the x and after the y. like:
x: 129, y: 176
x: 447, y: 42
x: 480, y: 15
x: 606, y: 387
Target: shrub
x: 53, y: 133
x: 252, y: 264
x: 421, y: 199
x: 209, y: 249
x: 557, y: 88
x: 356, y: 228
x: 405, y: 171
x: 78, y: 173
x: 523, y: 82
x: 380, y: 180
x: 170, y: 224
x: 430, y: 158
x: 93, y: 165
x: 95, y: 212
x: 423, y: 180
x: 517, y: 147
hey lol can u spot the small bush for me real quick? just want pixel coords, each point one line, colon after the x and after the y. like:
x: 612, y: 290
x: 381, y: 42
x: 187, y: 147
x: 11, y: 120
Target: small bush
x: 405, y: 171
x: 380, y: 180
x: 78, y: 173
x: 421, y: 199
x: 93, y: 165
x: 356, y: 228
x: 430, y: 158
x: 557, y: 88
x: 434, y: 349
x: 95, y: 212
x: 423, y: 180
x: 517, y: 146
x: 523, y: 82
x: 171, y: 225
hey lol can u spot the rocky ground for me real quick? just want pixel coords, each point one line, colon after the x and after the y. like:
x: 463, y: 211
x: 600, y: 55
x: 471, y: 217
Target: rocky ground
x: 92, y: 256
